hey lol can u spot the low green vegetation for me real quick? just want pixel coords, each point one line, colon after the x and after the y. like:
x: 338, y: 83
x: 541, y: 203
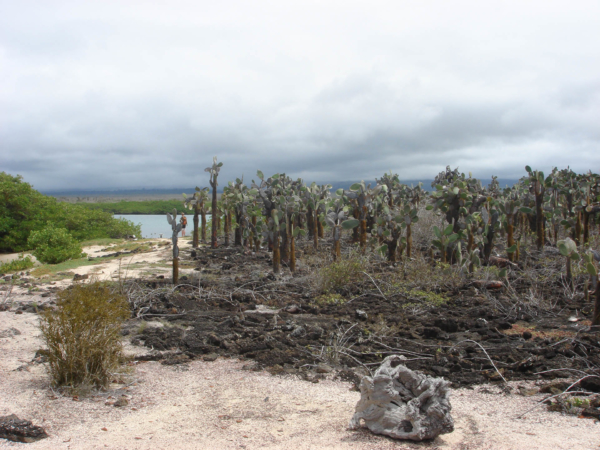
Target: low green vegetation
x: 139, y: 246
x: 329, y: 299
x: 105, y: 242
x: 417, y: 297
x: 83, y: 335
x: 137, y: 207
x: 17, y: 265
x: 53, y: 271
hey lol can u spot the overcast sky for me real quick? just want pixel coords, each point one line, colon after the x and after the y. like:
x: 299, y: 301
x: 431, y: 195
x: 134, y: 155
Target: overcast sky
x: 132, y: 94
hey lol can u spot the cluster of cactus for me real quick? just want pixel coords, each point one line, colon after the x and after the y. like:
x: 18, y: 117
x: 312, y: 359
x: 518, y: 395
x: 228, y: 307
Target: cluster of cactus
x: 278, y: 210
x: 197, y: 203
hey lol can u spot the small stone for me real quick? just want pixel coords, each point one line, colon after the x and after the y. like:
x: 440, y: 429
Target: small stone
x: 527, y: 335
x: 121, y: 402
x: 324, y: 368
x: 9, y: 333
x: 592, y: 413
x: 362, y: 315
x: 590, y: 384
x: 298, y: 332
x: 18, y: 430
x: 528, y: 392
x: 210, y: 357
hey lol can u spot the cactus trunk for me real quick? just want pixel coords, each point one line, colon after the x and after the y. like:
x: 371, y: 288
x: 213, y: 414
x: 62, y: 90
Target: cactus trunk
x: 196, y: 236
x: 203, y: 222
x: 408, y: 241
x: 539, y: 215
x: 238, y: 229
x: 238, y: 235
x: 292, y: 254
x: 509, y: 238
x: 363, y: 234
x: 226, y: 226
x: 276, y: 254
x: 256, y: 239
x: 596, y: 316
x: 175, y: 270
x: 586, y: 227
x: 214, y: 218
x: 470, y: 240
x: 285, y: 246
x: 315, y: 232
x: 569, y: 272
x: 392, y: 246
x: 355, y: 230
x: 489, y: 245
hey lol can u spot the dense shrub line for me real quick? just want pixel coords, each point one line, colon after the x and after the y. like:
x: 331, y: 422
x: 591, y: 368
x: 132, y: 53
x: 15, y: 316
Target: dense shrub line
x: 24, y: 210
x: 136, y: 207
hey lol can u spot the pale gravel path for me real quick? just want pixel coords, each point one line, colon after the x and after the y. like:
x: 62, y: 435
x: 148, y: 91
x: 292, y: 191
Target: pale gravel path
x: 219, y: 406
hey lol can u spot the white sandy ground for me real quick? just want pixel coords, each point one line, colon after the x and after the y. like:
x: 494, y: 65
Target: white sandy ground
x: 117, y: 268
x: 217, y: 405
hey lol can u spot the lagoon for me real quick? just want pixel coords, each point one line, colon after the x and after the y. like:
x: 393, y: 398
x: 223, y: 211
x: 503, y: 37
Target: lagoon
x: 153, y: 225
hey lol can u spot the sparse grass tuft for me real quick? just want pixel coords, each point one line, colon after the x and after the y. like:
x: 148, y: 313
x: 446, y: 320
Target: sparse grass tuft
x: 83, y: 335
x: 340, y: 274
x: 422, y: 274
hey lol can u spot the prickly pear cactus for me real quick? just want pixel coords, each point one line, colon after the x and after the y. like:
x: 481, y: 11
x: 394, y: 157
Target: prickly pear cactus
x: 172, y: 219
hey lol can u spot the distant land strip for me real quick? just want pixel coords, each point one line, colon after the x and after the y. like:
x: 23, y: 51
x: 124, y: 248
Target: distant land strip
x: 94, y: 196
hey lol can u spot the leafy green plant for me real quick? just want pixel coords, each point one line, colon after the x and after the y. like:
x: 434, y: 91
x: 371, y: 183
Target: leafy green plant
x: 83, y: 335
x: 54, y: 245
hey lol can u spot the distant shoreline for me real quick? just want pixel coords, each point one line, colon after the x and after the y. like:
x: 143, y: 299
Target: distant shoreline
x: 96, y: 196
x: 115, y: 198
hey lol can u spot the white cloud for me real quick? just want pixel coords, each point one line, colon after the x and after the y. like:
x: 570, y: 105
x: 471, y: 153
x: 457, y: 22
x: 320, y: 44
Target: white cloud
x: 138, y: 94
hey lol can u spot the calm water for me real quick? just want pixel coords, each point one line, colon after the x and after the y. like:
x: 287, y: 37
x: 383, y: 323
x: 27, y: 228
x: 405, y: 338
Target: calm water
x: 153, y: 225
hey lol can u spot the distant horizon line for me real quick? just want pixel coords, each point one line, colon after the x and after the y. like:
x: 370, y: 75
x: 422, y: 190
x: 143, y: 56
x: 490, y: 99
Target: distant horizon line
x: 181, y: 190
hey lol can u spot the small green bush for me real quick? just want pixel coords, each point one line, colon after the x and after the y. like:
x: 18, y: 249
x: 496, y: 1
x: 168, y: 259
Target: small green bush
x: 54, y: 245
x: 22, y: 263
x: 83, y: 335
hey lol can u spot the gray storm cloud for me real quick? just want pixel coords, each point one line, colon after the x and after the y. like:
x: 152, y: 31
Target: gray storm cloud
x: 109, y: 95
